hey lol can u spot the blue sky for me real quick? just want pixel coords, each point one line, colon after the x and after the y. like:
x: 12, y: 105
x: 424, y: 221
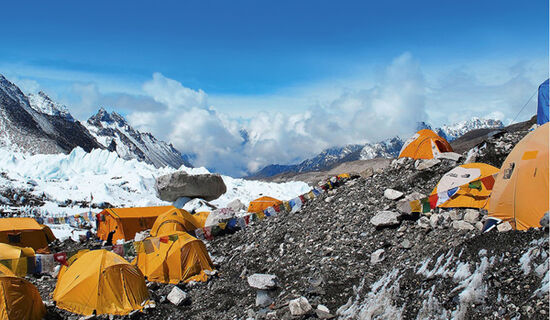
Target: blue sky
x: 283, y: 57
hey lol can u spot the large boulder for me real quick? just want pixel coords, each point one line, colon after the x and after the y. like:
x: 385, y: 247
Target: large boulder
x: 179, y: 184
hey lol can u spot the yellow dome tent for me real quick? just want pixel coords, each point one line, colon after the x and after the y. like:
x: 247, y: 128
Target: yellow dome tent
x: 14, y: 258
x: 175, y: 260
x: 520, y: 194
x: 19, y: 298
x: 175, y: 220
x: 425, y: 144
x: 101, y: 282
x: 26, y: 232
x: 474, y: 182
x: 262, y: 203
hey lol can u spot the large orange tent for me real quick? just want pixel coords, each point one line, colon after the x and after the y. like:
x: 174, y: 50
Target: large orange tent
x: 520, y: 194
x: 19, y: 298
x: 425, y: 144
x: 472, y: 190
x: 16, y: 258
x: 178, y: 257
x: 126, y: 222
x: 101, y: 282
x: 176, y: 220
x: 26, y: 232
x: 262, y: 203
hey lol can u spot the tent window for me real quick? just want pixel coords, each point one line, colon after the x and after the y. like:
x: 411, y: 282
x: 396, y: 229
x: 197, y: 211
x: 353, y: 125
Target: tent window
x: 508, y: 171
x: 14, y: 237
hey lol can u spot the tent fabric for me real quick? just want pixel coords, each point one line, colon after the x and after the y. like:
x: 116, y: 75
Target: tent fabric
x: 543, y: 106
x: 262, y: 203
x: 175, y: 220
x: 520, y: 194
x: 101, y: 282
x: 466, y: 196
x: 25, y: 232
x: 17, y: 265
x: 184, y: 259
x: 128, y: 221
x: 19, y: 299
x: 425, y: 144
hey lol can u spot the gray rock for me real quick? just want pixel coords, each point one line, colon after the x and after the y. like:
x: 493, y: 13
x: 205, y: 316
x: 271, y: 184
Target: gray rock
x: 449, y: 155
x: 406, y: 244
x: 505, y: 226
x: 471, y: 216
x: 436, y: 220
x: 236, y: 205
x: 479, y: 225
x: 424, y: 222
x: 367, y: 173
x: 177, y: 296
x: 385, y: 219
x: 377, y: 256
x: 462, y: 225
x: 263, y: 299
x: 455, y: 215
x: 414, y: 196
x: 179, y: 184
x: 426, y: 164
x: 323, y: 312
x: 392, y: 194
x: 544, y: 221
x: 299, y: 306
x: 262, y: 281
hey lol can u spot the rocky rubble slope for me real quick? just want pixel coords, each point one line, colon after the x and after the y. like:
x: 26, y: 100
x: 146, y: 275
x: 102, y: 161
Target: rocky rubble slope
x: 352, y: 254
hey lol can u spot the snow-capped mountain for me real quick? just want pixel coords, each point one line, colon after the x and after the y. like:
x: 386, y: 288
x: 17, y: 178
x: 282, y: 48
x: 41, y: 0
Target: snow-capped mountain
x: 115, y: 134
x: 34, y: 126
x: 385, y: 149
x: 324, y: 160
x: 389, y: 148
x: 454, y: 131
x: 42, y: 103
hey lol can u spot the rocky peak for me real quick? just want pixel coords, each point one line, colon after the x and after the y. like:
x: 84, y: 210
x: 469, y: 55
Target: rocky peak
x: 42, y: 103
x: 104, y: 118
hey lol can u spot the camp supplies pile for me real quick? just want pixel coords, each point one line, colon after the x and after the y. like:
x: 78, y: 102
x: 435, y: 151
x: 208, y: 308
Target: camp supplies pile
x: 25, y: 232
x: 520, y: 195
x: 425, y: 144
x: 101, y: 282
x: 173, y: 258
x: 20, y: 298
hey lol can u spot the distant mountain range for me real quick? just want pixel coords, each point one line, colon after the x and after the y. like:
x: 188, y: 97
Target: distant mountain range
x: 36, y: 124
x: 389, y: 148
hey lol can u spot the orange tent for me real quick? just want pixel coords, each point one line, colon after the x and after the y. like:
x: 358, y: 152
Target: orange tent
x: 101, y: 282
x: 262, y: 203
x: 16, y: 258
x: 425, y: 144
x: 520, y: 194
x: 128, y: 221
x: 20, y: 298
x: 181, y: 259
x: 175, y: 220
x: 26, y: 232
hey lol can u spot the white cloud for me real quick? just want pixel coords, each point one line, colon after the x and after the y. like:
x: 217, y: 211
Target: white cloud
x: 300, y: 121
